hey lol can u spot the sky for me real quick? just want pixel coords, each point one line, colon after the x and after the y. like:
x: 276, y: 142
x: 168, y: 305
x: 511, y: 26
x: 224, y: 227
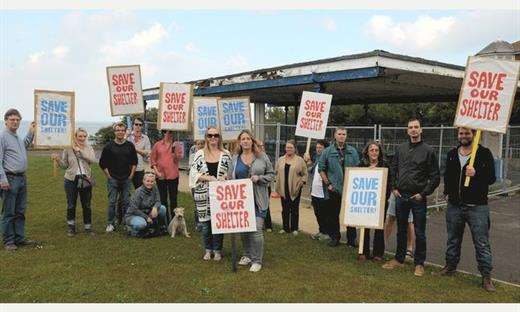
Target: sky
x: 70, y: 49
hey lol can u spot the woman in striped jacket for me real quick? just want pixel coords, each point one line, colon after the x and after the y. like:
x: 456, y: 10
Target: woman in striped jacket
x: 211, y: 163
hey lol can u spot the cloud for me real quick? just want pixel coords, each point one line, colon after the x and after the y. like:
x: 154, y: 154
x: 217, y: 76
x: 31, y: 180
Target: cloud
x: 467, y: 31
x: 35, y: 57
x: 191, y: 47
x: 329, y: 24
x: 60, y: 51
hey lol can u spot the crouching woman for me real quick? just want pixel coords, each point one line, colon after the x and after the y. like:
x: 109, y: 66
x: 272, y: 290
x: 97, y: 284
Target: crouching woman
x: 145, y: 209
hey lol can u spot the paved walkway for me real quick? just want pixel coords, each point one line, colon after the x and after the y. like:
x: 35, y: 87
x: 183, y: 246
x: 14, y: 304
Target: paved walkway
x: 505, y: 233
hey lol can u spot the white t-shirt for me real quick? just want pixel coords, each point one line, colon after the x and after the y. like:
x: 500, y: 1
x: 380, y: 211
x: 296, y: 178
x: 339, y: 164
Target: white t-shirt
x: 463, y: 159
x: 317, y: 185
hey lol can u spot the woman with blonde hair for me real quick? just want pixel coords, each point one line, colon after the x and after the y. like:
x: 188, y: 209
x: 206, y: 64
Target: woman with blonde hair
x: 78, y: 179
x: 249, y: 162
x: 210, y: 163
x: 291, y: 176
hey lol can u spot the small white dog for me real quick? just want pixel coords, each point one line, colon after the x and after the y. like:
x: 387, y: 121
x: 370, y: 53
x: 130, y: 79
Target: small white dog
x: 178, y: 224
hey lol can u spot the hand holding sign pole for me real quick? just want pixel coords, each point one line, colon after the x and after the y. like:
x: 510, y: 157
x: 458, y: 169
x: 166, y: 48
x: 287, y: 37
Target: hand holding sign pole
x: 486, y: 97
x: 313, y: 116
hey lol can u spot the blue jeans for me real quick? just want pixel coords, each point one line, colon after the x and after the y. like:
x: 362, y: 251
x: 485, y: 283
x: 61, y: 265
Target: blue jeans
x: 138, y: 224
x: 114, y: 188
x: 403, y: 206
x: 211, y: 241
x: 477, y: 218
x: 13, y: 210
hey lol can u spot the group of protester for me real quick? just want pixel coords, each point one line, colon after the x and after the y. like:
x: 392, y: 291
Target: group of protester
x: 154, y: 171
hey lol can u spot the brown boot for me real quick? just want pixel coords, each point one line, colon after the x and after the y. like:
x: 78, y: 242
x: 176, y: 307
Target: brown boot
x: 446, y: 271
x: 419, y: 270
x: 361, y: 258
x: 487, y: 284
x: 392, y: 264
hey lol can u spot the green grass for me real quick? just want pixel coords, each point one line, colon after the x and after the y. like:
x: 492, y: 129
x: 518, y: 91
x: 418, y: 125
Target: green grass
x: 113, y: 268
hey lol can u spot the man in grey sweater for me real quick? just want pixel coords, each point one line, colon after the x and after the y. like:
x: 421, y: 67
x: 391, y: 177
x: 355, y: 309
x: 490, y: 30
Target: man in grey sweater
x: 13, y: 182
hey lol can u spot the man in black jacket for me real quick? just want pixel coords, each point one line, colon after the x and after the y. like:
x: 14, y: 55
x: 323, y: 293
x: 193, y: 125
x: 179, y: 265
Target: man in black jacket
x: 118, y: 161
x: 468, y: 204
x: 415, y: 175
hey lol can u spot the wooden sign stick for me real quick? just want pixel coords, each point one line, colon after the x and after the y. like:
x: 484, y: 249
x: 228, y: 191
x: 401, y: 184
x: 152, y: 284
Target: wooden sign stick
x: 54, y: 168
x: 233, y: 253
x: 308, y: 148
x: 473, y: 154
x: 361, y: 240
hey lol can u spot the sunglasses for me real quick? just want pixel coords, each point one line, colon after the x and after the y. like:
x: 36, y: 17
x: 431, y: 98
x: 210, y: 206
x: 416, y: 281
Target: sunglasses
x: 138, y: 124
x: 211, y: 135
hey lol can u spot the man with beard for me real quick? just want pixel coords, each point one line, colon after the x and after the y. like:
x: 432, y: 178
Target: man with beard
x: 468, y: 204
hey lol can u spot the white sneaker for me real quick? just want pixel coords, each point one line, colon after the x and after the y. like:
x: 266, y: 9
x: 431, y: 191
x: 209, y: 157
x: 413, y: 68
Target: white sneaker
x: 255, y: 267
x: 295, y: 233
x: 244, y: 261
x: 110, y: 228
x: 207, y: 256
x: 269, y: 230
x: 217, y: 256
x: 281, y: 232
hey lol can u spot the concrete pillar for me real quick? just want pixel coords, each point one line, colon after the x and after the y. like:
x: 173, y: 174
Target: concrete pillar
x: 259, y: 129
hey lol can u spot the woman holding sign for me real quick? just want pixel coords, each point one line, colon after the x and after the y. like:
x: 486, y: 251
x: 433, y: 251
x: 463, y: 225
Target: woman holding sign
x: 210, y: 163
x: 291, y: 176
x: 76, y: 161
x: 373, y: 157
x: 250, y: 162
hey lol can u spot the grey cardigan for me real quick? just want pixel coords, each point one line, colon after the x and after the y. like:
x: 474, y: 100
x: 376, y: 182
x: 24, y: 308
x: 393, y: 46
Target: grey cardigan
x: 263, y: 168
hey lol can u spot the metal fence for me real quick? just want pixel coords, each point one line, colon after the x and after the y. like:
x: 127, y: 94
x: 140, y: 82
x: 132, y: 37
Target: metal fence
x: 441, y: 139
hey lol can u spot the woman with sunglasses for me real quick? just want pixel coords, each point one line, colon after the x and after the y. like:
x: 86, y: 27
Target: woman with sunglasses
x: 249, y: 162
x: 142, y: 147
x: 210, y: 163
x: 164, y: 159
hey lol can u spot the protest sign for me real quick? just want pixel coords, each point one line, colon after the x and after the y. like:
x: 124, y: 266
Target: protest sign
x: 125, y: 89
x: 175, y: 100
x: 232, y: 206
x: 235, y: 116
x: 487, y: 94
x: 364, y: 197
x: 313, y: 115
x: 54, y: 117
x: 205, y: 114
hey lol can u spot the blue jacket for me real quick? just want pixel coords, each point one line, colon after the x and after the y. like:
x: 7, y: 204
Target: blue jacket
x: 329, y: 163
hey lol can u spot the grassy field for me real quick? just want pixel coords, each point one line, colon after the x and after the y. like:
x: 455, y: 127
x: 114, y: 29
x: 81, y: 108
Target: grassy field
x: 113, y: 268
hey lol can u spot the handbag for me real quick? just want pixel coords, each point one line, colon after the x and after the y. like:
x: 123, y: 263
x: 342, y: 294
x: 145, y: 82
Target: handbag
x: 82, y: 180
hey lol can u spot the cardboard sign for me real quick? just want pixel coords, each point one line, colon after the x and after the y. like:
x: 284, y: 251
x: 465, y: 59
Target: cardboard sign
x: 175, y: 101
x: 205, y: 114
x: 313, y: 115
x: 54, y: 116
x: 232, y: 206
x: 235, y: 116
x: 364, y: 197
x: 487, y: 94
x: 124, y: 86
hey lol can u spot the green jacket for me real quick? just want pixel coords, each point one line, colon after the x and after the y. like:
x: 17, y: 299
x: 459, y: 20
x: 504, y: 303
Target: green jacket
x: 329, y: 163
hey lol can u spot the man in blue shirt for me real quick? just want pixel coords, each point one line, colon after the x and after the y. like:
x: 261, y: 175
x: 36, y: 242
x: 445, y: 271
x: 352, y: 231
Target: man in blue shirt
x: 13, y: 182
x: 331, y: 165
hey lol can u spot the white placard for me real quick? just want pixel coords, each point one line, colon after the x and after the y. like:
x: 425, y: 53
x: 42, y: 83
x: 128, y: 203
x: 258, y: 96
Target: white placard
x: 364, y: 197
x: 125, y: 90
x: 232, y: 206
x: 175, y: 101
x: 205, y: 114
x: 313, y: 115
x: 235, y: 116
x: 54, y: 116
x: 487, y: 94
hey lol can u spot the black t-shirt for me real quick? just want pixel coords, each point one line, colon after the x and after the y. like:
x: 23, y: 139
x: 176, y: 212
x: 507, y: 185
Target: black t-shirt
x: 286, y: 186
x: 118, y: 159
x: 212, y: 168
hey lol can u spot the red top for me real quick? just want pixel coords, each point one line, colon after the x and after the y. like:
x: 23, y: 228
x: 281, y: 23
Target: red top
x: 166, y: 162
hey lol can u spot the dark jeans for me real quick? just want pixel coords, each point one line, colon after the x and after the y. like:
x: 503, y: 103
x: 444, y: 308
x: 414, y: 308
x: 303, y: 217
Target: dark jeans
x: 211, y: 241
x: 137, y: 179
x: 316, y: 205
x: 117, y: 188
x: 168, y: 189
x: 378, y: 248
x: 403, y: 205
x: 478, y: 220
x: 85, y: 196
x: 290, y: 213
x: 332, y: 208
x: 14, y: 203
x: 268, y: 224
